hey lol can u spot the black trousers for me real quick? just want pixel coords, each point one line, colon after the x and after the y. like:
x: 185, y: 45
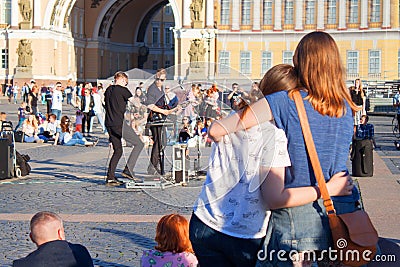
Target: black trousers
x: 116, y: 133
x: 157, y: 152
x: 86, y: 120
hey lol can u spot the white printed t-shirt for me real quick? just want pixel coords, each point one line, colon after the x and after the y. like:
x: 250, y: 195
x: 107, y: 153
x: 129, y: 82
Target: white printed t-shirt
x: 230, y: 201
x: 56, y: 100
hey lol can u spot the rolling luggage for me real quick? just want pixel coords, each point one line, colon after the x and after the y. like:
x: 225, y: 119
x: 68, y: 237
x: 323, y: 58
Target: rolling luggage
x: 362, y: 158
x: 6, y: 165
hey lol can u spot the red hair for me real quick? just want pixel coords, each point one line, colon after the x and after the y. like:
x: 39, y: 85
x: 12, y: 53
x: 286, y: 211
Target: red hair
x: 172, y: 234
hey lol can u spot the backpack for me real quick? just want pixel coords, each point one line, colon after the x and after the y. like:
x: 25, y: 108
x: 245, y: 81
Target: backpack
x: 22, y: 162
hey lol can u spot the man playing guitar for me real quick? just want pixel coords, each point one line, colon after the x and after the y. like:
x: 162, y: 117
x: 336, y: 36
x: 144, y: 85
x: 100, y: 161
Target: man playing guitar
x: 158, y: 112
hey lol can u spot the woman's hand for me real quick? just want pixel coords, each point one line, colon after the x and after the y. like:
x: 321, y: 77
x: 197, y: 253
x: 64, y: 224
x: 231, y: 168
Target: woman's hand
x: 340, y: 184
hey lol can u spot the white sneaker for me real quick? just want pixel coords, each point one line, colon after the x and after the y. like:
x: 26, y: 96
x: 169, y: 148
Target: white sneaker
x: 84, y: 139
x: 87, y: 143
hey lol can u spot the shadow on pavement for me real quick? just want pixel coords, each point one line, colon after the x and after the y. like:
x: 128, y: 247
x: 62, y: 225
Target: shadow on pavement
x: 98, y: 262
x: 142, y: 241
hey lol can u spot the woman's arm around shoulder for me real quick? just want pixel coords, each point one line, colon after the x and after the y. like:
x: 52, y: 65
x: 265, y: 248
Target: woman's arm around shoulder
x: 257, y: 113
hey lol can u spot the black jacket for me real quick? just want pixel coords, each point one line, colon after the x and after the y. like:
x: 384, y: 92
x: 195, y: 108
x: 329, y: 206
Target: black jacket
x: 83, y: 103
x: 58, y: 253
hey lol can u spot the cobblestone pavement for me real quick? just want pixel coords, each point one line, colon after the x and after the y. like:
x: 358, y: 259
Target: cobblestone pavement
x: 114, y: 223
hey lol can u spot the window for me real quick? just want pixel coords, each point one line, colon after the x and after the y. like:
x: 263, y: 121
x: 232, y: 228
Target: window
x: 168, y: 10
x: 4, y: 58
x: 81, y: 62
x: 374, y: 65
x: 245, y: 62
x: 376, y: 11
x: 310, y: 12
x: 224, y: 59
x: 155, y: 35
x: 288, y: 11
x: 267, y: 12
x: 225, y: 12
x: 353, y: 12
x: 127, y: 62
x: 332, y: 11
x: 266, y: 61
x: 155, y: 65
x: 246, y: 10
x: 167, y: 35
x: 167, y: 63
x: 5, y: 12
x: 287, y: 57
x: 352, y: 62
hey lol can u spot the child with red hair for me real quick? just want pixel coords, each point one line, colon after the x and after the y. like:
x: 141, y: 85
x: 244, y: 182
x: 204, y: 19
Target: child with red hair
x: 173, y: 245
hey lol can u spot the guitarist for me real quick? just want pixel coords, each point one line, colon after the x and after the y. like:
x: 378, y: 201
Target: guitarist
x: 158, y: 112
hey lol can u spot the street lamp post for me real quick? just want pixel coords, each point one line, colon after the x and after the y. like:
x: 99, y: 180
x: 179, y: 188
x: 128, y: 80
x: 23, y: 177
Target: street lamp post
x: 208, y: 35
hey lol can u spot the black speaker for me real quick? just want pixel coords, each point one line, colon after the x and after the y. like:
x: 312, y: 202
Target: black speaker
x: 6, y: 162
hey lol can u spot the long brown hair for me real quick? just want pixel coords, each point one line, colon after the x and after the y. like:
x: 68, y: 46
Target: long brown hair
x: 280, y: 77
x: 65, y: 126
x: 172, y: 234
x: 320, y: 72
x: 359, y: 87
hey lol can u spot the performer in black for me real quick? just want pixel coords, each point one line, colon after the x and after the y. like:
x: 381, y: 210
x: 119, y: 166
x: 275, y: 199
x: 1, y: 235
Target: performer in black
x: 116, y: 98
x: 158, y: 111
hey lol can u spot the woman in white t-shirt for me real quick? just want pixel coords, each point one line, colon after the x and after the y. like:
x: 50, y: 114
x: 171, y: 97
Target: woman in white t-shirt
x: 230, y: 217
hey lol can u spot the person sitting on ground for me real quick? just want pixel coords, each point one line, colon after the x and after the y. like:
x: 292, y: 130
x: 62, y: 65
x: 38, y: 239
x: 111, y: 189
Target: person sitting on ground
x: 68, y: 138
x: 173, y: 245
x: 365, y: 130
x: 50, y: 129
x: 47, y: 232
x: 30, y: 129
x: 3, y: 117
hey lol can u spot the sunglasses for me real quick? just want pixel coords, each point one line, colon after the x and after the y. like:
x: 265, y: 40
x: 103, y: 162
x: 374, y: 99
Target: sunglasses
x: 158, y: 79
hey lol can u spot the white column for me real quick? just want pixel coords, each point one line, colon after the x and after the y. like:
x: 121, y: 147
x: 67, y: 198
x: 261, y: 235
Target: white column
x: 386, y: 14
x: 235, y: 15
x: 37, y: 16
x: 342, y: 14
x: 364, y: 14
x: 186, y: 13
x: 14, y: 13
x: 299, y: 15
x: 210, y: 14
x: 321, y: 15
x: 278, y: 15
x: 256, y: 15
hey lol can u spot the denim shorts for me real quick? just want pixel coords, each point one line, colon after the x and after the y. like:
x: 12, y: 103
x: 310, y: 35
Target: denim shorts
x: 303, y: 228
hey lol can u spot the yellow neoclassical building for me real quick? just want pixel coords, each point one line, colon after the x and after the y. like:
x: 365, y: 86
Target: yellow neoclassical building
x: 83, y: 40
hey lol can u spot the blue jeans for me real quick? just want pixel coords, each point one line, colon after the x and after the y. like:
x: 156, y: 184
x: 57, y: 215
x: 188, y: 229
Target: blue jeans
x: 301, y: 228
x: 76, y: 140
x: 56, y: 112
x: 20, y: 122
x: 213, y: 248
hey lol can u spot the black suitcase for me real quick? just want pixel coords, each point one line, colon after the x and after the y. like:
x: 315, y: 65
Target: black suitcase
x: 362, y: 158
x: 19, y: 136
x: 6, y: 165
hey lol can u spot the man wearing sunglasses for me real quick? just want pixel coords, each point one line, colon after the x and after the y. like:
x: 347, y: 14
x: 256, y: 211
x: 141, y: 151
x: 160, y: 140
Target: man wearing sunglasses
x: 116, y: 98
x: 158, y: 112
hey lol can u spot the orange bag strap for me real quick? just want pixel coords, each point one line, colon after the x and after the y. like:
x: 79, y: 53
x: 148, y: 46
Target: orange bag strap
x: 312, y: 152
